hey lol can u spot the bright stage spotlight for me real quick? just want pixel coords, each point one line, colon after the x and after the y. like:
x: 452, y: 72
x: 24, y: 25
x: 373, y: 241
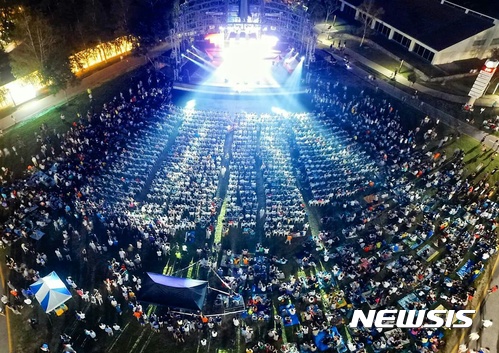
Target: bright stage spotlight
x: 248, y: 62
x: 190, y: 104
x: 200, y: 58
x: 189, y: 107
x: 302, y: 58
x: 280, y: 111
x: 215, y: 38
x: 269, y: 41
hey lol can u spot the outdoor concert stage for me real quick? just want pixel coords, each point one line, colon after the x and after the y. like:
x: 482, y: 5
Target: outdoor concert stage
x: 241, y: 67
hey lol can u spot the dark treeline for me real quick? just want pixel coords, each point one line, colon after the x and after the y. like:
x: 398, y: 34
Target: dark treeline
x: 47, y: 32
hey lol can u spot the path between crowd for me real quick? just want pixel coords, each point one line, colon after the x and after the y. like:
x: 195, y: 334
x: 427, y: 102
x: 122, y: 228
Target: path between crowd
x: 487, y: 310
x: 464, y: 128
x: 5, y: 341
x: 36, y: 107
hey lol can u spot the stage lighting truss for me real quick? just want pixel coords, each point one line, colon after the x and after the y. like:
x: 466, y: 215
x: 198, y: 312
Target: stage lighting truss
x: 201, y: 17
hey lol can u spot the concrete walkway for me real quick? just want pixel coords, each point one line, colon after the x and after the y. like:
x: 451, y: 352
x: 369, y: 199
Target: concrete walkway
x: 5, y: 343
x: 488, y: 310
x: 383, y: 83
x: 322, y: 39
x: 36, y: 107
x: 4, y: 335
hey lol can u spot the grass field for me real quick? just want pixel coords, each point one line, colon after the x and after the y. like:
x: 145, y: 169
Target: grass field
x: 22, y: 136
x: 137, y: 339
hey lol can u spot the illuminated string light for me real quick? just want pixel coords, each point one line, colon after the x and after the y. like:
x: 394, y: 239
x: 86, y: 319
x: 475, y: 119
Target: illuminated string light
x: 100, y: 53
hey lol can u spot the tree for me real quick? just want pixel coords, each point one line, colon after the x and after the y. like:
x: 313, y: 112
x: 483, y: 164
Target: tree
x: 57, y: 73
x: 39, y: 50
x: 121, y: 13
x: 320, y: 9
x: 330, y: 7
x: 35, y: 41
x: 96, y: 24
x: 4, y: 97
x: 150, y: 21
x: 316, y: 10
x: 368, y: 13
x: 6, y: 25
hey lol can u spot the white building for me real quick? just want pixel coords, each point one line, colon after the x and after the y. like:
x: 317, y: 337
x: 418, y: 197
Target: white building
x: 437, y: 30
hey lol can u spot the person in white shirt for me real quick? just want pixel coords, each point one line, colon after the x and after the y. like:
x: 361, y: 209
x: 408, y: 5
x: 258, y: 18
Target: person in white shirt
x: 235, y: 321
x: 487, y: 323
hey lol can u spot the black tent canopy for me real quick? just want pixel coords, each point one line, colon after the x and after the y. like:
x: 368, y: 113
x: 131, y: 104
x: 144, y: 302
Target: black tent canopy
x: 174, y: 292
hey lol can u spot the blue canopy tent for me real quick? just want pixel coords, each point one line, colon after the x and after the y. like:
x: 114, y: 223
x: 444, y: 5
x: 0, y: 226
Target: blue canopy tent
x: 50, y: 292
x: 174, y: 292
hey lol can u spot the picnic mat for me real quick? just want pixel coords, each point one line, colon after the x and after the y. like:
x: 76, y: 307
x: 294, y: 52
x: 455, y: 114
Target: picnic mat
x: 411, y: 241
x: 410, y: 298
x: 465, y: 269
x: 294, y: 318
x: 427, y: 252
x: 323, y: 347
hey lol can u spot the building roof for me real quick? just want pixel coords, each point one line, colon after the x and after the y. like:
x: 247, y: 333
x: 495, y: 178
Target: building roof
x: 436, y: 25
x: 486, y: 7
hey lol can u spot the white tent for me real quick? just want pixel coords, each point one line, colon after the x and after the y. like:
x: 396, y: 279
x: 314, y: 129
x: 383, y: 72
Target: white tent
x: 50, y: 292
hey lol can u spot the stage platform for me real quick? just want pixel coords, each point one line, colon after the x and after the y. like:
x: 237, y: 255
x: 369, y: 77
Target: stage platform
x: 212, y: 90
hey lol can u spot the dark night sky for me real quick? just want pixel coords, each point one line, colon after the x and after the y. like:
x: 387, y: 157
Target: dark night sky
x: 487, y: 7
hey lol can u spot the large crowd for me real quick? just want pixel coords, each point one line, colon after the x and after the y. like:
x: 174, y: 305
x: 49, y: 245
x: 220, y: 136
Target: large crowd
x: 375, y: 214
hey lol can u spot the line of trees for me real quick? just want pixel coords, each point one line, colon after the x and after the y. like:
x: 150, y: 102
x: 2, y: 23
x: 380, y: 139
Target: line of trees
x: 48, y: 32
x: 369, y: 11
x: 322, y: 10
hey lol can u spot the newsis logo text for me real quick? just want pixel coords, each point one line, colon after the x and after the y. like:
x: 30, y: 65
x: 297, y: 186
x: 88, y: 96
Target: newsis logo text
x: 413, y: 318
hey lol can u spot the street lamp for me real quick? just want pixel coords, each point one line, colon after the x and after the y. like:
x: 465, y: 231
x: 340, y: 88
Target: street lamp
x: 400, y: 66
x: 397, y: 71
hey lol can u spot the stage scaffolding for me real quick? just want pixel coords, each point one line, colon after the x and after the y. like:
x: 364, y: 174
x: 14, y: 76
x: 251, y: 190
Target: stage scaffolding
x: 201, y: 17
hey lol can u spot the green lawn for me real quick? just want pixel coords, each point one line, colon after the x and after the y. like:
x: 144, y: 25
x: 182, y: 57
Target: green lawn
x: 459, y: 87
x: 23, y: 135
x: 377, y: 56
x: 137, y: 339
